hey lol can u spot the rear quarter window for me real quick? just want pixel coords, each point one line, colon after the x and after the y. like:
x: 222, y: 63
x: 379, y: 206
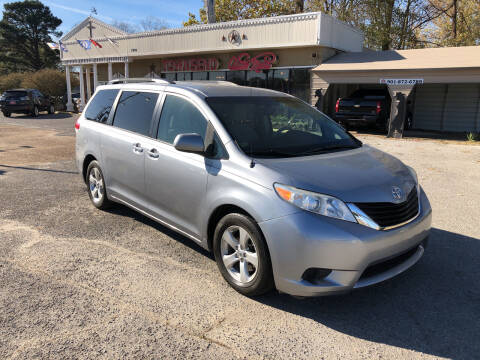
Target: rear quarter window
x: 99, y: 108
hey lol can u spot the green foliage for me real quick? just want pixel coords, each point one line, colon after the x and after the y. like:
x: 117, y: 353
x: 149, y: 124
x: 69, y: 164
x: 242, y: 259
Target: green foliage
x: 473, y: 137
x: 25, y: 29
x: 49, y: 81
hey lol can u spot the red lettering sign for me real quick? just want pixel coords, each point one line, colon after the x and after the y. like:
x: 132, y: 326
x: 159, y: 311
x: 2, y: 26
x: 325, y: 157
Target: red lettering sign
x: 198, y: 64
x: 258, y: 63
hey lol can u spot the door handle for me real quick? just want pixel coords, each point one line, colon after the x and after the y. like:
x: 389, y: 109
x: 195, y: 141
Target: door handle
x: 153, y: 154
x: 137, y: 148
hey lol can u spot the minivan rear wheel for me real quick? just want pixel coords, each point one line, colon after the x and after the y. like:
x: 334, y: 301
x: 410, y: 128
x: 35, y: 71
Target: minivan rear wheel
x: 96, y: 186
x: 242, y: 255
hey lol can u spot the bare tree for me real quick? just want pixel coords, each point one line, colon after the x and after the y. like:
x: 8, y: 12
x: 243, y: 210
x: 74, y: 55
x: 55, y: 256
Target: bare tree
x: 151, y: 23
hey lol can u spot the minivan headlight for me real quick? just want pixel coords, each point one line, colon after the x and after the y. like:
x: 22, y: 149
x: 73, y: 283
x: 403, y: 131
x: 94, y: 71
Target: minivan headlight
x: 317, y: 203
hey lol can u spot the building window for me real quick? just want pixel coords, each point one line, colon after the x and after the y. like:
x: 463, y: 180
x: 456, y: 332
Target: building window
x: 217, y: 75
x: 279, y: 80
x: 237, y: 77
x: 256, y: 79
x: 170, y: 76
x: 184, y: 76
x: 300, y: 84
x: 201, y: 75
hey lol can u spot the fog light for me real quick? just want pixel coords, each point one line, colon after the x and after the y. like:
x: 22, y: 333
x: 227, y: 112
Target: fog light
x: 315, y: 275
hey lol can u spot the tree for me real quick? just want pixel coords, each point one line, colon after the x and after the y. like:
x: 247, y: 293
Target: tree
x: 230, y: 10
x: 125, y: 26
x: 151, y: 23
x: 12, y: 81
x: 25, y: 29
x: 457, y: 23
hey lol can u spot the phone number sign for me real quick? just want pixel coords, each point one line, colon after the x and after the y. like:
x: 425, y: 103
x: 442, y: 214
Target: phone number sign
x: 401, y: 81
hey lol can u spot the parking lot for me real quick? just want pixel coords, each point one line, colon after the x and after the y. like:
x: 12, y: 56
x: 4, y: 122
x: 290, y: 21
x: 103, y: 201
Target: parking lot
x: 76, y: 282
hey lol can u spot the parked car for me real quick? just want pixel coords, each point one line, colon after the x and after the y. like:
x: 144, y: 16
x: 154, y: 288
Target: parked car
x: 364, y: 107
x: 25, y: 101
x: 279, y: 192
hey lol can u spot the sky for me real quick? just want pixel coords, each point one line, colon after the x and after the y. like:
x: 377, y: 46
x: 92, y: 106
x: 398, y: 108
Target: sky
x: 172, y: 12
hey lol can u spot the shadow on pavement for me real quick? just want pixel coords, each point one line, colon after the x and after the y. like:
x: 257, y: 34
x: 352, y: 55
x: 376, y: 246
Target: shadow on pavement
x: 123, y: 210
x: 58, y: 115
x: 433, y: 308
x: 36, y: 169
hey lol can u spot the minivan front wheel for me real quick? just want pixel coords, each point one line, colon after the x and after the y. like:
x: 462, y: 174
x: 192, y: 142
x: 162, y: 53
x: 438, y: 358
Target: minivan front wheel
x: 96, y: 186
x: 242, y: 255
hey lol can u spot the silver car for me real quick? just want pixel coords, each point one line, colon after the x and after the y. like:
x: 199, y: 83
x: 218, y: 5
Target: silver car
x: 283, y: 196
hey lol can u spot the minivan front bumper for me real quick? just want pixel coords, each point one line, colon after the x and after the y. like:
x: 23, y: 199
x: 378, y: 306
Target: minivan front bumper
x: 352, y: 255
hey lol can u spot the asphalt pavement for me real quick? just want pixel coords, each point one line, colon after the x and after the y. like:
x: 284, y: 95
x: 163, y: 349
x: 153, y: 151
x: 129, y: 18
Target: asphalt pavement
x: 76, y: 282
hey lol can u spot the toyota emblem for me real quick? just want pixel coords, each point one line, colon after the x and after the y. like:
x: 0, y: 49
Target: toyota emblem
x: 397, y: 193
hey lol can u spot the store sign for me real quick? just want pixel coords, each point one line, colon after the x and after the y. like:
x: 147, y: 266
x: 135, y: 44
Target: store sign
x: 197, y: 64
x: 401, y: 81
x: 258, y: 63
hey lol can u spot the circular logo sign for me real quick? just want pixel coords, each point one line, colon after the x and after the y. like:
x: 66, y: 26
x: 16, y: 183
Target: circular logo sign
x: 234, y: 37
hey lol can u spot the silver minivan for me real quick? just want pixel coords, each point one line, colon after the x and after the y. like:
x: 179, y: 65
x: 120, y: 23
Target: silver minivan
x: 283, y: 196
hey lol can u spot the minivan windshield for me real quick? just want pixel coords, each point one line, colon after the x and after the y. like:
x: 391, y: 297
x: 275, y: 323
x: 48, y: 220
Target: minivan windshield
x: 280, y: 126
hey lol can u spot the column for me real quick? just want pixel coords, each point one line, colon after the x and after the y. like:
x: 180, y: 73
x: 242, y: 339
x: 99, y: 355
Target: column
x: 110, y: 72
x: 89, y: 86
x: 69, y: 89
x: 398, y: 110
x: 82, y: 89
x: 126, y: 71
x: 95, y: 77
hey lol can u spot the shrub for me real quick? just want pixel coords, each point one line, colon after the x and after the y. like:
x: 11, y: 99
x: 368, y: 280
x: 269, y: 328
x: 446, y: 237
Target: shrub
x: 472, y: 137
x: 12, y: 81
x: 50, y: 82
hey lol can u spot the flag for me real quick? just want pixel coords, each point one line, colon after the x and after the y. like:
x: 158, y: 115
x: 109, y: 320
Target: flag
x: 113, y: 42
x: 53, y: 46
x: 62, y: 47
x: 95, y: 43
x: 86, y: 44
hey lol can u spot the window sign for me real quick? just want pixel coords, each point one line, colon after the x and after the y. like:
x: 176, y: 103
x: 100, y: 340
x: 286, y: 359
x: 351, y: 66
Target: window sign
x: 244, y: 61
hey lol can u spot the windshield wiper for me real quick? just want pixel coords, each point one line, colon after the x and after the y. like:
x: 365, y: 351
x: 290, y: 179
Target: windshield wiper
x: 271, y: 152
x: 324, y: 149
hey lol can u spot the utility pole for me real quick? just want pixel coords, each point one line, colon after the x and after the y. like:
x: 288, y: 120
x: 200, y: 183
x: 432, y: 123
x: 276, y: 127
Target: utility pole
x: 210, y: 5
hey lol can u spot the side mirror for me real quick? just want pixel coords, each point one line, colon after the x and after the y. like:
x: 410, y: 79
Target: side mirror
x: 191, y: 143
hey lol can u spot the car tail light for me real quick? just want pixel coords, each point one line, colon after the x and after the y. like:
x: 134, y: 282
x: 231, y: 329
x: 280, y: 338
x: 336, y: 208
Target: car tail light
x: 77, y: 125
x: 337, y: 105
x: 379, y: 107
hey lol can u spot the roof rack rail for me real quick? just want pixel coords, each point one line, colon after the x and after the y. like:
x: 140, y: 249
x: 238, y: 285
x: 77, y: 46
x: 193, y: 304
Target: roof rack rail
x: 140, y: 80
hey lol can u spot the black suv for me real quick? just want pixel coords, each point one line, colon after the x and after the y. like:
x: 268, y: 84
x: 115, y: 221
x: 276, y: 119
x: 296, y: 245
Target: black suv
x: 25, y: 101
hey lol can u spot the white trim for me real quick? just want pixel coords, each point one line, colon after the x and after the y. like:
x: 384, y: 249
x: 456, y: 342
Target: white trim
x: 219, y: 70
x: 78, y: 27
x: 101, y: 60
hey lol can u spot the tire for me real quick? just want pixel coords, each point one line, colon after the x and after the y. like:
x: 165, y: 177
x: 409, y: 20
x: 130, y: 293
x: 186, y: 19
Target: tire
x: 96, y: 186
x: 6, y: 114
x: 51, y: 109
x: 242, y: 274
x: 35, y: 111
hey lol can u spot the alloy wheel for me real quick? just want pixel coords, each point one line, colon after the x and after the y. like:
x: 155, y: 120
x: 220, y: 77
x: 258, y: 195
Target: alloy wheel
x: 95, y: 184
x: 239, y: 254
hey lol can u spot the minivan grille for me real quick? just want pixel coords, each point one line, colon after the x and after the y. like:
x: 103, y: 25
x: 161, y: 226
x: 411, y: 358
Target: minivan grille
x: 389, y: 214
